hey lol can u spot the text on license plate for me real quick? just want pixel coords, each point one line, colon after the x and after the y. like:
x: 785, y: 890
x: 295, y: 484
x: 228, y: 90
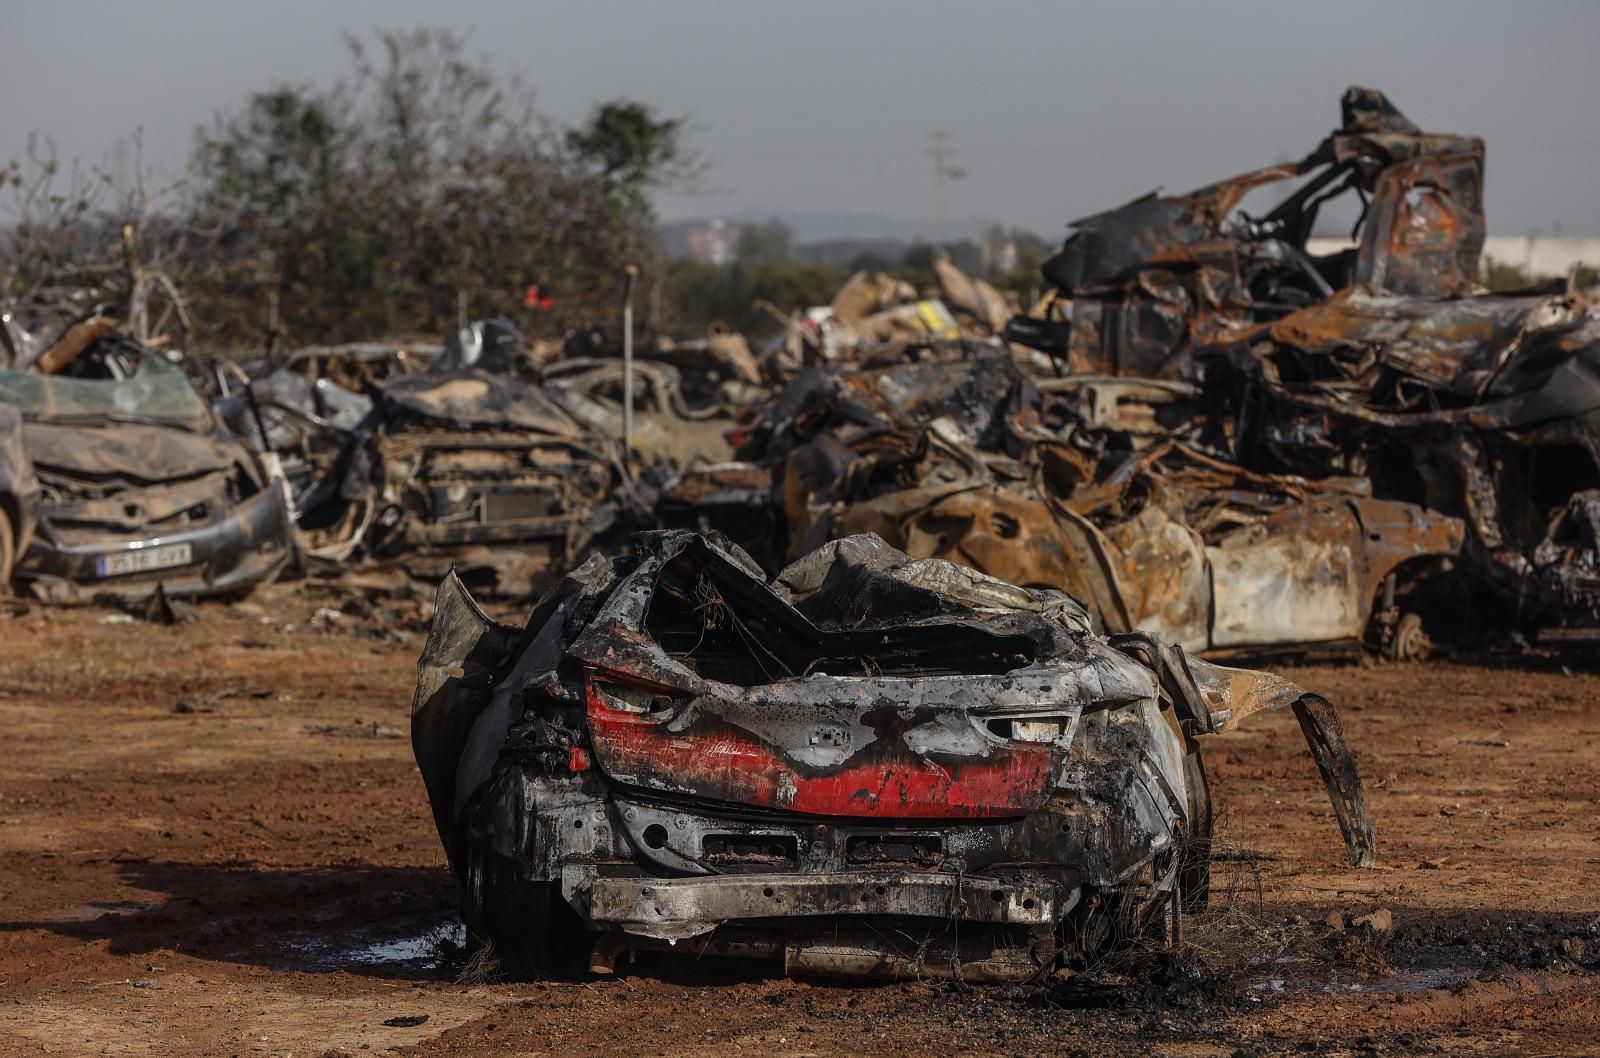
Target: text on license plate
x: 145, y: 559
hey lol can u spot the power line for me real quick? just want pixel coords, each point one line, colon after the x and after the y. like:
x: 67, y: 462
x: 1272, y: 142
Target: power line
x: 943, y: 156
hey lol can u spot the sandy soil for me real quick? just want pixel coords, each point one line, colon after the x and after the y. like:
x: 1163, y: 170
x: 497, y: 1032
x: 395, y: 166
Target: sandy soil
x: 213, y: 842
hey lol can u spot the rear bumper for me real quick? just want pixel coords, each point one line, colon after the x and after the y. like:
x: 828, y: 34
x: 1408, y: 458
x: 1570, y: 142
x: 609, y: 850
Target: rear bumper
x: 679, y: 908
x: 250, y: 544
x: 818, y: 925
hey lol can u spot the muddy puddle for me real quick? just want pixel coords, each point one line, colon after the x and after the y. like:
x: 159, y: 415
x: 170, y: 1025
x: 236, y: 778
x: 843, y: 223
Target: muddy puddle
x: 1298, y: 977
x: 414, y: 947
x: 1439, y: 953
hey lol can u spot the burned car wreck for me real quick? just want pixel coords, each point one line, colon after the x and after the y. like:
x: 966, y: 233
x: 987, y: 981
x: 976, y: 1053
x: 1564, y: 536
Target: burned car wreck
x: 466, y: 467
x: 301, y: 406
x: 868, y: 765
x: 136, y: 487
x: 1381, y: 366
x: 1137, y: 288
x: 1486, y: 407
x: 1103, y: 488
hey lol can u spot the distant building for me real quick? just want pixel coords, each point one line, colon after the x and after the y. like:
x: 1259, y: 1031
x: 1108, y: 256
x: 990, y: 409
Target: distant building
x: 713, y: 242
x: 997, y: 256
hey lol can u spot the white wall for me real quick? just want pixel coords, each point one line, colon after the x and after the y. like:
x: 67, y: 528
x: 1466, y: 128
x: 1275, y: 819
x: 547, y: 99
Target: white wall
x: 1538, y: 256
x: 1541, y: 255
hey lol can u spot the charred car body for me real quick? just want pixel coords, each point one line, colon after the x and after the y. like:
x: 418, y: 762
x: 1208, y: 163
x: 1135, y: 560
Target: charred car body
x: 301, y: 406
x: 669, y: 430
x: 1488, y: 407
x: 1099, y: 488
x: 467, y: 467
x: 1381, y: 363
x: 137, y: 484
x: 301, y: 423
x: 1139, y: 287
x: 868, y: 765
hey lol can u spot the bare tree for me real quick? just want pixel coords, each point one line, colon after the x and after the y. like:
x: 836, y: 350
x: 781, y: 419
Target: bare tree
x: 86, y: 239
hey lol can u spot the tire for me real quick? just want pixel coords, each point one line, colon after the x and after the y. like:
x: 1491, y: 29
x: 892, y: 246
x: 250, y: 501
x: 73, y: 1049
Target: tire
x: 1194, y: 864
x: 1121, y: 919
x: 8, y: 551
x: 1411, y: 642
x: 530, y: 927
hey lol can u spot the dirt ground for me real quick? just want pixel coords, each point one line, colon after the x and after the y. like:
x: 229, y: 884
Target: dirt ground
x: 213, y: 841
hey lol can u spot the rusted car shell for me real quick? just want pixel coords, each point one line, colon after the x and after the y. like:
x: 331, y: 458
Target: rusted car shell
x: 1310, y: 576
x: 966, y: 462
x: 1141, y: 286
x: 469, y: 469
x: 1486, y: 407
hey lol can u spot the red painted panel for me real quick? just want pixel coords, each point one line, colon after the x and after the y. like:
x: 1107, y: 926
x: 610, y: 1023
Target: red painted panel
x: 888, y: 781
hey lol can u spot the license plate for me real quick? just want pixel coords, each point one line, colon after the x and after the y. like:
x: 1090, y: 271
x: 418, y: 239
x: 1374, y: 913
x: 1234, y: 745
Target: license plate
x: 146, y: 559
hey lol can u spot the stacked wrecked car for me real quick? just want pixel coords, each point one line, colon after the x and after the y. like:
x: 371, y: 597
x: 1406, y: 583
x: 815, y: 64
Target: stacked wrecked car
x: 460, y: 461
x: 1075, y: 485
x: 1381, y: 364
x: 1208, y: 429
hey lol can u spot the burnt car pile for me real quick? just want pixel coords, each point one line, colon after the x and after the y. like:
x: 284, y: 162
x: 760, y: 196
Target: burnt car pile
x: 1078, y: 484
x: 413, y: 462
x: 1208, y: 430
x: 874, y: 317
x: 880, y: 653
x: 1382, y: 364
x: 867, y: 765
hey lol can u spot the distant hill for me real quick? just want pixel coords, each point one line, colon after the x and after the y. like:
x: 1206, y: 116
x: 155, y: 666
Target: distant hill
x: 844, y: 251
x: 826, y: 225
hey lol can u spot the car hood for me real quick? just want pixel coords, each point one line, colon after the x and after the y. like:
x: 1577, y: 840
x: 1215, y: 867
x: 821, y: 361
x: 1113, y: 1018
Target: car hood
x: 476, y: 398
x: 127, y: 450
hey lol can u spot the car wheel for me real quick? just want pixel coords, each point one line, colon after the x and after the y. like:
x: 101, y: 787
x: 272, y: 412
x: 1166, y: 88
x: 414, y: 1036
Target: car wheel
x: 529, y: 927
x: 1194, y: 863
x: 8, y: 546
x: 1135, y: 917
x: 1411, y: 642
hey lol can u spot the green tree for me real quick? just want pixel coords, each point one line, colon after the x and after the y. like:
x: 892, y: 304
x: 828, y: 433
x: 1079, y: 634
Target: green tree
x: 635, y: 150
x: 269, y: 185
x: 764, y: 243
x: 735, y: 294
x: 422, y: 179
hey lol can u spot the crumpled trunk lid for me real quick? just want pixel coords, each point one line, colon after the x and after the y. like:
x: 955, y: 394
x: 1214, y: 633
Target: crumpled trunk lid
x: 853, y: 748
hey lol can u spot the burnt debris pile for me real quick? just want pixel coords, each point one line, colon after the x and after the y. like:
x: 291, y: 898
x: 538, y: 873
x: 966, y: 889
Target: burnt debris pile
x: 877, y: 650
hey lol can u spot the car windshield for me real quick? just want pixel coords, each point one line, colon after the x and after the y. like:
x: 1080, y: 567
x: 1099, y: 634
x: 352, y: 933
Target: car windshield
x: 156, y: 392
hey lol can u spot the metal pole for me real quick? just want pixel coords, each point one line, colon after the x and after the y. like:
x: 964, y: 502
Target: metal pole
x: 627, y: 364
x: 272, y: 320
x: 943, y: 156
x: 941, y: 160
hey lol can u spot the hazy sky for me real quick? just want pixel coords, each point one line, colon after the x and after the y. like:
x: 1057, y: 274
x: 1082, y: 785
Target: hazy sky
x: 1057, y: 110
